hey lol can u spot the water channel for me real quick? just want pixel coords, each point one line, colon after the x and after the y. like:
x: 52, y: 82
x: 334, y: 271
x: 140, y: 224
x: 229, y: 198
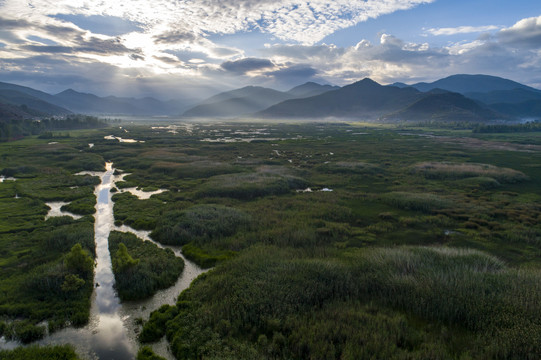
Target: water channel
x: 111, y: 333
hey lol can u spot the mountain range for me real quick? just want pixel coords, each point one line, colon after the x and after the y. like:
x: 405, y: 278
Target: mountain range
x: 252, y: 99
x: 71, y: 101
x: 454, y: 98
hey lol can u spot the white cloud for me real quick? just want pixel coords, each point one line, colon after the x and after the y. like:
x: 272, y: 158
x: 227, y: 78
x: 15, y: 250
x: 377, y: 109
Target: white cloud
x: 461, y: 30
x: 291, y: 20
x: 525, y: 33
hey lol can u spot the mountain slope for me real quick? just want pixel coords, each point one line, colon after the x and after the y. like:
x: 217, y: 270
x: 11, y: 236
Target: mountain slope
x: 244, y: 101
x: 364, y: 98
x: 29, y: 91
x: 526, y: 109
x: 440, y: 105
x: 31, y: 104
x: 463, y: 84
x: 514, y: 96
x: 92, y: 104
x: 310, y: 89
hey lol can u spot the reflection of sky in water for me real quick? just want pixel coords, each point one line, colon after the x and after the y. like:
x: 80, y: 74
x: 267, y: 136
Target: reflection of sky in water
x: 111, y: 332
x: 109, y: 340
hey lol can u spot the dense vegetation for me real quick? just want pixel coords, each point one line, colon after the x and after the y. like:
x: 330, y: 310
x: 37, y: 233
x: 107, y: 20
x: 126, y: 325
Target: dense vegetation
x: 64, y: 352
x: 272, y: 302
x: 140, y: 267
x: 533, y: 126
x: 14, y: 126
x: 46, y: 266
x: 327, y: 240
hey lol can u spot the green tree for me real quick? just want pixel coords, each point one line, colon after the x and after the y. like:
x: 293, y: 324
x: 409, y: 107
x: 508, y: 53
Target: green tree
x: 123, y: 260
x: 72, y: 283
x: 79, y: 261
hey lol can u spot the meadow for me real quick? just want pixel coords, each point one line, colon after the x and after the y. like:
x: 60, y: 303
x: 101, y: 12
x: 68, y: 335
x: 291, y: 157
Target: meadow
x: 326, y: 240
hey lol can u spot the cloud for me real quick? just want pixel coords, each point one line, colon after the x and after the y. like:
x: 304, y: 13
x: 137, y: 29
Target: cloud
x: 246, y: 65
x: 107, y: 25
x: 294, y: 73
x: 525, y: 33
x: 175, y: 37
x: 291, y: 20
x: 448, y: 31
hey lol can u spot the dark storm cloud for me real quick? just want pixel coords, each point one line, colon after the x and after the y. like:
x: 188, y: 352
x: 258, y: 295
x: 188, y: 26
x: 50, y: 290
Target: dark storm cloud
x: 246, y: 65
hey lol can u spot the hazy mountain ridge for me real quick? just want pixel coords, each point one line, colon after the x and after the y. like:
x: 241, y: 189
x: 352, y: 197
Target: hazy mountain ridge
x: 455, y: 98
x: 31, y: 104
x: 464, y: 83
x: 238, y: 102
x: 365, y: 97
x: 439, y: 100
x: 444, y: 106
x: 69, y: 101
x: 252, y: 99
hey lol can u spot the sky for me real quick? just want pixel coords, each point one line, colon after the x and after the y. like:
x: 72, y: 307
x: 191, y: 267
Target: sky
x: 173, y: 49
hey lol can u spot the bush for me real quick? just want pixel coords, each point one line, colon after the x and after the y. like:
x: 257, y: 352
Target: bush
x: 444, y: 170
x: 57, y: 352
x: 140, y: 267
x: 416, y: 201
x: 199, y: 223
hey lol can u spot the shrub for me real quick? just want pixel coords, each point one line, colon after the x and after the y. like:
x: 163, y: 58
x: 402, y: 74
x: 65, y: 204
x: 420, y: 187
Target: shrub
x: 444, y: 170
x: 199, y: 223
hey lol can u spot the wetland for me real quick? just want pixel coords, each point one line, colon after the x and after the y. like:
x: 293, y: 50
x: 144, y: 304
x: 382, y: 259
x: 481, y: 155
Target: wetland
x: 271, y: 240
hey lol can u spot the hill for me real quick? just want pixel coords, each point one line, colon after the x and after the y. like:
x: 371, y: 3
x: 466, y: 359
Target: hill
x: 238, y: 102
x: 31, y: 104
x: 364, y: 98
x: 440, y: 105
x: 251, y: 99
x: 463, y: 83
x: 310, y: 89
x: 92, y: 104
x: 514, y: 96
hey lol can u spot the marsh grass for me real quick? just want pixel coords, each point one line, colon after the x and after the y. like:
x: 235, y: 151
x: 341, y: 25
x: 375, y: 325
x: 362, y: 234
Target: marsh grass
x: 463, y: 289
x: 246, y: 186
x: 199, y: 224
x: 140, y: 267
x: 58, y: 352
x: 445, y: 170
x: 424, y: 202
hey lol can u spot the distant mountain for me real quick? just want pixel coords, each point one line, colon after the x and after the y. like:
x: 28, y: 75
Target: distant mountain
x: 472, y: 84
x: 13, y: 113
x: 310, y: 89
x: 399, y: 85
x: 30, y: 104
x: 78, y: 102
x: 440, y: 105
x: 514, y: 96
x: 29, y: 91
x: 92, y: 104
x: 526, y: 109
x: 364, y: 98
x: 252, y: 99
x: 243, y: 101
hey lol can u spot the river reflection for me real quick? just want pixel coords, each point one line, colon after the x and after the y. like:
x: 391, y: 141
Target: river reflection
x: 111, y: 333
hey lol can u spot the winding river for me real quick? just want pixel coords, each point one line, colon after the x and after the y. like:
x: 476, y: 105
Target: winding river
x: 111, y: 333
